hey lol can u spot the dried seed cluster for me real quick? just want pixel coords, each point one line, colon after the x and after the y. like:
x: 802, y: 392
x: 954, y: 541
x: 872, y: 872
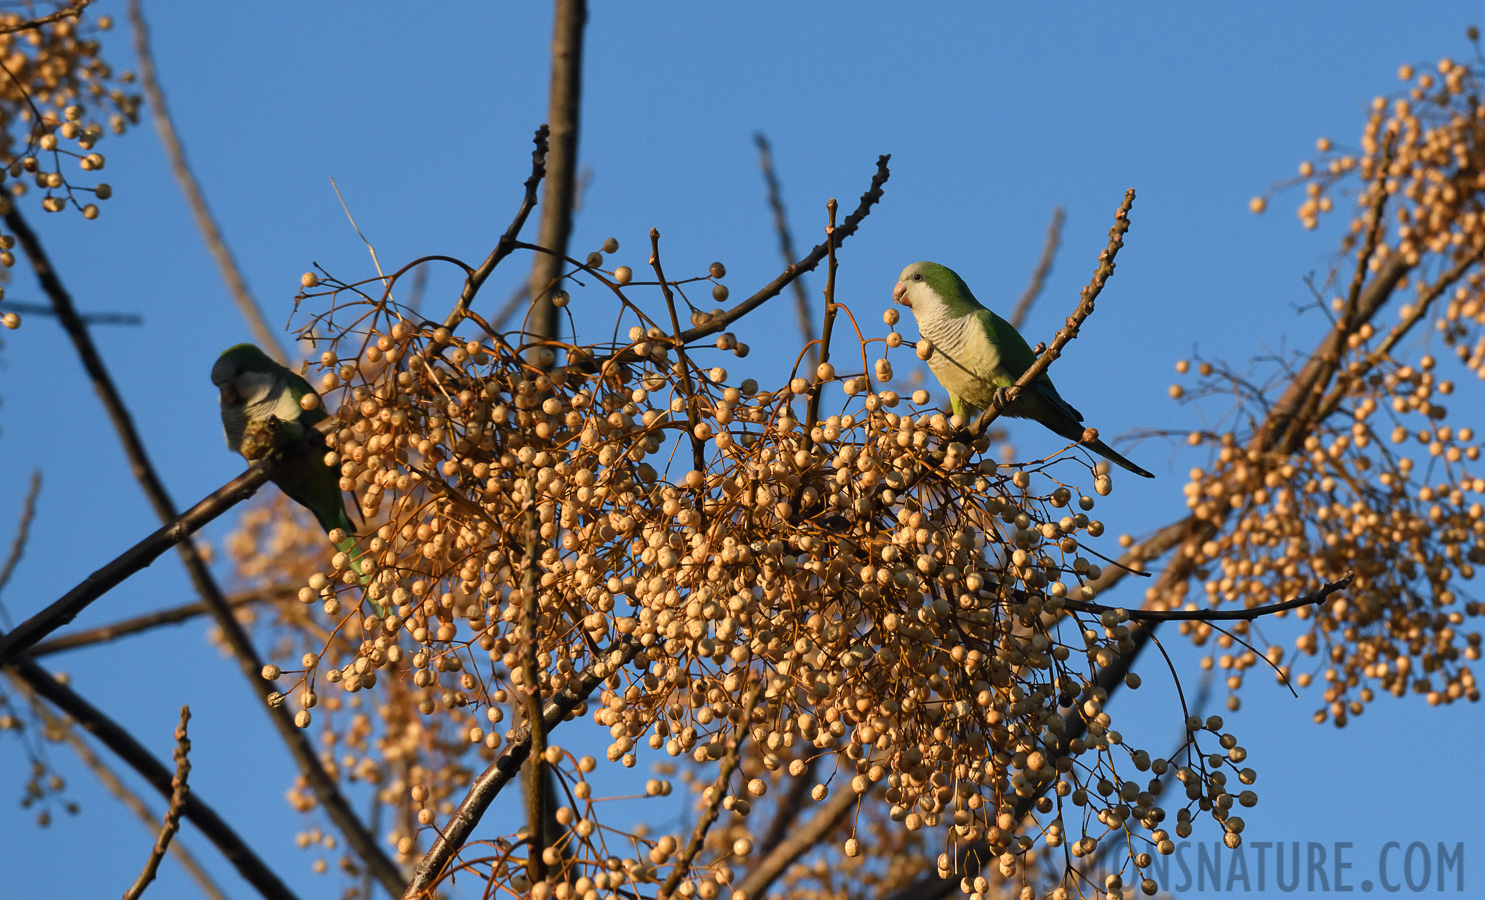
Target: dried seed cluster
x: 1378, y: 481
x: 891, y: 599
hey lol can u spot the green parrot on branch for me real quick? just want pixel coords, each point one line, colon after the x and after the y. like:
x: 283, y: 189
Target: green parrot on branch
x: 267, y: 407
x: 976, y: 353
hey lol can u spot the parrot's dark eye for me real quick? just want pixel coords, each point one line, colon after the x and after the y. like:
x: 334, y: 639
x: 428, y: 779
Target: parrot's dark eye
x: 917, y: 276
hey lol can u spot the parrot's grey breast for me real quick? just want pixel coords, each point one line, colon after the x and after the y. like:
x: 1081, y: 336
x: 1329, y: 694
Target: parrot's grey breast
x: 964, y: 361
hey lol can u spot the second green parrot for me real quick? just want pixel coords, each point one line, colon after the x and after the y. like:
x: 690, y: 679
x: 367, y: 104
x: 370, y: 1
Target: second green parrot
x: 264, y: 408
x: 976, y: 352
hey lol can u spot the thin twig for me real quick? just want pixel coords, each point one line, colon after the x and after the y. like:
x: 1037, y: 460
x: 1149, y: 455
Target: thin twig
x: 71, y: 10
x: 536, y: 787
x: 216, y: 244
x: 507, y: 242
x: 1006, y: 396
x: 810, y: 260
x: 137, y: 624
x: 125, y: 747
x: 719, y: 792
x: 786, y: 238
x: 812, y: 406
x: 22, y: 534
x: 175, y: 531
x: 1314, y: 598
x: 180, y: 790
x: 560, y: 191
x: 106, y: 318
x: 698, y: 446
x: 110, y: 781
x: 488, y: 785
x: 1043, y: 269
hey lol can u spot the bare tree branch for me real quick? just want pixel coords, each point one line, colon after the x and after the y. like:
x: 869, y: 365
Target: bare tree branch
x: 105, y: 633
x: 786, y: 239
x: 22, y: 534
x: 178, y: 794
x: 1314, y: 598
x: 125, y: 747
x: 67, y: 607
x: 560, y: 192
x: 794, y: 270
x: 176, y: 530
x: 71, y: 10
x: 266, y: 337
x: 111, y: 783
x: 1007, y: 396
x: 488, y: 785
x: 507, y: 241
x: 1043, y: 269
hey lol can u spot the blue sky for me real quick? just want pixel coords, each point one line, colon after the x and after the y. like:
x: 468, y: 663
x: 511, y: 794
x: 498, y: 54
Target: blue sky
x: 994, y: 114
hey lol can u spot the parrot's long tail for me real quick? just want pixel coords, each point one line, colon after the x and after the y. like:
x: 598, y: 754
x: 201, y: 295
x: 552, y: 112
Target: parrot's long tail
x: 1113, y: 456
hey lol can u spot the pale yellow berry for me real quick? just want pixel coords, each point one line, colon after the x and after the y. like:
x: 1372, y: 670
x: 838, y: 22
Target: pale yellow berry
x: 309, y: 280
x: 623, y: 274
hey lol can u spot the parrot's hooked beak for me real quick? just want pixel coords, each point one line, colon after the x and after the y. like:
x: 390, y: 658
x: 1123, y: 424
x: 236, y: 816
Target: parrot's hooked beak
x: 899, y: 294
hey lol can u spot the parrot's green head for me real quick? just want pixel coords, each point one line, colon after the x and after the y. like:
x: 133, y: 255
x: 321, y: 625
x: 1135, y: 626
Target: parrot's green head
x: 244, y: 374
x: 926, y: 286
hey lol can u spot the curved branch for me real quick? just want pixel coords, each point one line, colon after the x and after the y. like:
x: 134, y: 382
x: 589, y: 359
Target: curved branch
x: 205, y: 222
x: 1004, y: 398
x: 848, y: 227
x: 488, y: 785
x: 125, y: 747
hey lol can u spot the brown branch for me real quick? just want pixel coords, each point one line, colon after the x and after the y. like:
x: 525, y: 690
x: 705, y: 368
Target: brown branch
x: 490, y: 782
x: 105, y: 318
x: 125, y: 747
x: 1314, y: 598
x: 176, y: 531
x: 142, y: 554
x: 110, y: 781
x: 698, y: 446
x: 178, y: 794
x: 786, y: 239
x: 71, y: 10
x: 794, y: 270
x: 812, y: 406
x: 1043, y: 268
x: 719, y: 793
x: 507, y: 242
x: 22, y: 534
x: 1359, y: 369
x: 789, y: 807
x: 800, y: 841
x: 560, y: 192
x: 536, y: 764
x: 1006, y: 396
x: 211, y: 233
x: 105, y: 633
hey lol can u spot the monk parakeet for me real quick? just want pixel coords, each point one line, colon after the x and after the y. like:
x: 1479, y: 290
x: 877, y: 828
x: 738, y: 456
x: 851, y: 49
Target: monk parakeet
x: 264, y: 408
x: 976, y: 352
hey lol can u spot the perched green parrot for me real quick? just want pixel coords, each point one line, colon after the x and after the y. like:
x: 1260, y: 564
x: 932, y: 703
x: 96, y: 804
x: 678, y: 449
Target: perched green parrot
x: 976, y: 353
x: 264, y: 408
